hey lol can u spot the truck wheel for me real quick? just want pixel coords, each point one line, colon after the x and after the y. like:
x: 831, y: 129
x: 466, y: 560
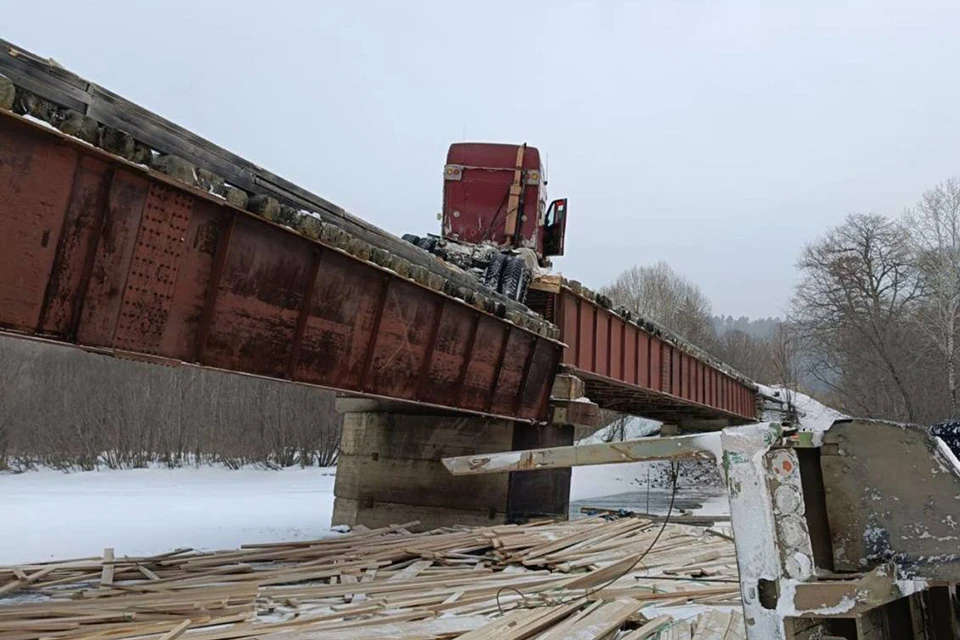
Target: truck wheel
x: 427, y: 244
x: 516, y: 279
x: 491, y: 276
x: 409, y: 237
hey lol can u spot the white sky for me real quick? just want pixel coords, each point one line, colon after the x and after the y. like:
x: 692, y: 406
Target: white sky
x: 719, y: 136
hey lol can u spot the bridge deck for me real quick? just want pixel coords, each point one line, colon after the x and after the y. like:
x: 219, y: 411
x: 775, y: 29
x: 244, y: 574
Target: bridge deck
x: 106, y: 254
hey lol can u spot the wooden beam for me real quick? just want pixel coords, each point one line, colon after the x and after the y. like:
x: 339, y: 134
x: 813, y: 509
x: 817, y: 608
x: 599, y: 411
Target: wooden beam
x: 513, y: 201
x: 643, y: 449
x: 575, y: 412
x: 106, y: 575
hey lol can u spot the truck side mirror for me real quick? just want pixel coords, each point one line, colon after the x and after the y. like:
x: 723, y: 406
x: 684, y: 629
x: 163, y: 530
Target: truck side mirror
x: 555, y: 228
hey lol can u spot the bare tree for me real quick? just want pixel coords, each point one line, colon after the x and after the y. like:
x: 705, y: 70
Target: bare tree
x: 858, y: 286
x: 660, y: 294
x: 749, y: 355
x: 935, y: 231
x: 66, y: 408
x: 785, y: 354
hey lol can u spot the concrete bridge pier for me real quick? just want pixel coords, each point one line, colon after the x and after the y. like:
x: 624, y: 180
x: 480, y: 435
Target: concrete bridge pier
x: 389, y: 470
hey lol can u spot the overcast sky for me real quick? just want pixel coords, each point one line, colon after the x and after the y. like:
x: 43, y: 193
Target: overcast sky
x: 719, y: 136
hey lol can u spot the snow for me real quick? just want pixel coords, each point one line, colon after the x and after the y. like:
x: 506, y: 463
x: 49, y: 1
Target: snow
x: 608, y: 480
x: 948, y: 455
x: 715, y: 506
x: 633, y: 428
x: 49, y: 514
x: 35, y: 120
x: 612, y: 479
x: 813, y: 415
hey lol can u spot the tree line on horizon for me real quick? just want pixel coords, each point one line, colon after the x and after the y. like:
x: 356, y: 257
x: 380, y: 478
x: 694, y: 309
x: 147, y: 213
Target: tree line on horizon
x: 68, y: 409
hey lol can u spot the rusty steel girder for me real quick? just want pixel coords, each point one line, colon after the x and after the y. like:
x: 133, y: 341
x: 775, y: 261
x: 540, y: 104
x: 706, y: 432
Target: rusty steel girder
x: 627, y: 367
x: 102, y: 253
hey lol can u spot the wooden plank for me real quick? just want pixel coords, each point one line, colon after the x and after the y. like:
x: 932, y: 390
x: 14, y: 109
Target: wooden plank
x: 106, y: 576
x: 38, y: 76
x: 648, y: 630
x: 430, y: 628
x: 412, y: 571
x: 522, y: 623
x: 607, y: 574
x: 33, y: 577
x: 386, y: 582
x: 599, y: 623
x: 643, y: 449
x: 177, y: 631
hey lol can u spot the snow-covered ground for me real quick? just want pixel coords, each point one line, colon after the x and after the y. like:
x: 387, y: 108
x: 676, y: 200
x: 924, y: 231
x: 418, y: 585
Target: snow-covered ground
x: 608, y: 480
x: 54, y: 515
x: 49, y: 514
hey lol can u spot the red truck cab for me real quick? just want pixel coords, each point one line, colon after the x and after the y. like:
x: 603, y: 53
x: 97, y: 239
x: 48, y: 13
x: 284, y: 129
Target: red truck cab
x: 496, y: 193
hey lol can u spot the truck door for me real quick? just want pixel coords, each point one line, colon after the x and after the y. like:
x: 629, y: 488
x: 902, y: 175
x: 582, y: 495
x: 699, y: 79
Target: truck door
x: 555, y: 228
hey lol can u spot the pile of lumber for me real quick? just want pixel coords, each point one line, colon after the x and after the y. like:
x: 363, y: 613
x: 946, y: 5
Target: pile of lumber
x: 598, y: 577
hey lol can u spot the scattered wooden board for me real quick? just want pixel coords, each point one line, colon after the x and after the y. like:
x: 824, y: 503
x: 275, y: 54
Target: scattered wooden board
x: 588, y: 578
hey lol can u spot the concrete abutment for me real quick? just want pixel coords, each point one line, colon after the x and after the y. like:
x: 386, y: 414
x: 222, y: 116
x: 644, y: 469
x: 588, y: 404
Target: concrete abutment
x: 390, y: 471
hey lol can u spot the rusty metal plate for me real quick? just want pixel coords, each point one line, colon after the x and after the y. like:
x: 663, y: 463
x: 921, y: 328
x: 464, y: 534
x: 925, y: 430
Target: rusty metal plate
x: 258, y: 300
x: 515, y: 364
x: 891, y: 495
x: 486, y: 355
x: 450, y: 353
x: 154, y: 268
x: 36, y: 180
x: 79, y: 237
x: 206, y: 233
x: 408, y: 314
x: 111, y: 264
x: 340, y: 323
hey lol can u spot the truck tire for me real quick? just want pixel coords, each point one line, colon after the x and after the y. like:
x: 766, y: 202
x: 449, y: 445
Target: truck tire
x: 428, y: 244
x: 409, y: 237
x: 491, y: 276
x: 515, y: 279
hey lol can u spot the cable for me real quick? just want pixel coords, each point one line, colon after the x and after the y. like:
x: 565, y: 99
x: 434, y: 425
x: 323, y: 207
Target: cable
x: 675, y: 477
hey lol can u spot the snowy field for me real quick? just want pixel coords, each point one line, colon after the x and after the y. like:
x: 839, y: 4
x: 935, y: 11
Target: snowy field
x: 49, y: 514
x: 53, y: 515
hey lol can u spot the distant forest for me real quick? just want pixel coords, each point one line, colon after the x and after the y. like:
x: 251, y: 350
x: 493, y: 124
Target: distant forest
x: 760, y: 328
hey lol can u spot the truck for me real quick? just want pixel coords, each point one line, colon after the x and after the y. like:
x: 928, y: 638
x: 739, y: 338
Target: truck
x: 497, y: 222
